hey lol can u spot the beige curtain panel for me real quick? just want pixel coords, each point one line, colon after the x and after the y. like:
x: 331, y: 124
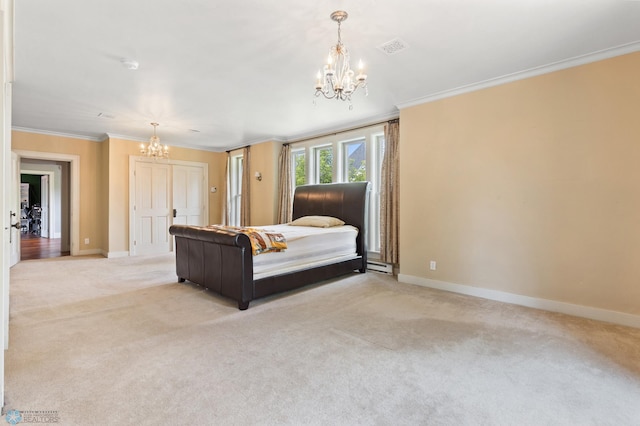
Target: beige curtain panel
x: 245, y: 199
x: 285, y: 186
x: 390, y: 194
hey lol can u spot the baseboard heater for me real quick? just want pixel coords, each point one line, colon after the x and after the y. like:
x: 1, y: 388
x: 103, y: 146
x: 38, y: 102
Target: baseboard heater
x: 376, y: 266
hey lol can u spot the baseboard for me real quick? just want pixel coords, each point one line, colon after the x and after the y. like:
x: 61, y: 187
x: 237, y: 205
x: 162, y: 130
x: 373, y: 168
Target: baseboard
x: 113, y: 254
x: 89, y: 252
x: 531, y: 302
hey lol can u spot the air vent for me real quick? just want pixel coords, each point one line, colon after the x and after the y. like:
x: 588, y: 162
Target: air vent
x: 103, y: 115
x: 394, y: 46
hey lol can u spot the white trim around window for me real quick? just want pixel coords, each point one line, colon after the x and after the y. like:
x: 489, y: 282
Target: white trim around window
x: 340, y: 143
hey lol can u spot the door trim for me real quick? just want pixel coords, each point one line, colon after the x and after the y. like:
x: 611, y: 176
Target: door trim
x: 52, y: 217
x: 74, y: 182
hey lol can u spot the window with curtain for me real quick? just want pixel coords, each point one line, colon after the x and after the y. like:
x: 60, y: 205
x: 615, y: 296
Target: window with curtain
x: 352, y: 156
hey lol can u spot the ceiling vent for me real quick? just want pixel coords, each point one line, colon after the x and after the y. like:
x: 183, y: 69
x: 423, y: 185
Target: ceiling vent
x: 394, y: 46
x: 103, y: 115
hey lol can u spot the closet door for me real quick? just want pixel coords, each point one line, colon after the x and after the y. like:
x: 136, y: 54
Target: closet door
x: 189, y: 195
x: 152, y: 208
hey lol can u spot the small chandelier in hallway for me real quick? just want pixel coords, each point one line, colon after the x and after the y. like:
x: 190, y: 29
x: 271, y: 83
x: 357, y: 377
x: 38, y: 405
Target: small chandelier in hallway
x: 336, y: 80
x: 154, y: 149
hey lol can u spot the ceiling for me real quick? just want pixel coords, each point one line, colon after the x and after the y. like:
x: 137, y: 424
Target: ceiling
x: 220, y: 74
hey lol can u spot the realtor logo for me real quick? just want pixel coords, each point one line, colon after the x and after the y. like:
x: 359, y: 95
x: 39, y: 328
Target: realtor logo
x: 13, y: 417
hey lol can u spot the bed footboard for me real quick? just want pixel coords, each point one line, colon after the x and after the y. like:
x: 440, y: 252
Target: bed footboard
x: 217, y: 260
x: 222, y: 261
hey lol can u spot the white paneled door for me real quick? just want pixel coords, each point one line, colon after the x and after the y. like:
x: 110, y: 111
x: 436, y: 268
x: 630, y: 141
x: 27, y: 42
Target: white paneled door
x: 16, y: 213
x: 188, y: 198
x: 152, y: 209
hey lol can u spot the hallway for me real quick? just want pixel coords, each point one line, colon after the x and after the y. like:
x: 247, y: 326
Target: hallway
x: 35, y: 247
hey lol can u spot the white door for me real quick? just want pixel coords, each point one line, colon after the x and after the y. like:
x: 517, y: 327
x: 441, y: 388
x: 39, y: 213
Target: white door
x: 14, y: 232
x: 152, y: 208
x: 44, y: 205
x: 189, y: 194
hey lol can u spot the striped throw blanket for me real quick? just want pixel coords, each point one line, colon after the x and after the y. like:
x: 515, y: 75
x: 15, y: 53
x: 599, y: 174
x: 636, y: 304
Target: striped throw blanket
x: 262, y: 241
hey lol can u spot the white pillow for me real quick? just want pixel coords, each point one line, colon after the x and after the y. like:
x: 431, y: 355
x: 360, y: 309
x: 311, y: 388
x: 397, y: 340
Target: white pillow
x: 317, y: 221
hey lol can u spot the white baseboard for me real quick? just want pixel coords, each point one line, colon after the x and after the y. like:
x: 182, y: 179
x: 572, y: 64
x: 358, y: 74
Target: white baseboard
x: 531, y: 302
x: 89, y: 251
x: 113, y: 254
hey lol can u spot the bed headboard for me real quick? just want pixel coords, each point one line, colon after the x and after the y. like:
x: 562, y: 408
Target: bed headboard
x: 346, y: 201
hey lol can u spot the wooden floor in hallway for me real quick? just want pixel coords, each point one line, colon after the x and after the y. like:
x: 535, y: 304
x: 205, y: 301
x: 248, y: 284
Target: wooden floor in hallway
x: 33, y: 246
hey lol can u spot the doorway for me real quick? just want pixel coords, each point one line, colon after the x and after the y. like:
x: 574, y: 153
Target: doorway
x: 44, y: 208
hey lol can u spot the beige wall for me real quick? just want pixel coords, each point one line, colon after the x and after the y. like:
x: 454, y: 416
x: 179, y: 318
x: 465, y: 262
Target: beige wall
x: 264, y: 194
x: 92, y: 217
x: 119, y: 154
x: 104, y: 194
x: 104, y: 183
x: 531, y: 188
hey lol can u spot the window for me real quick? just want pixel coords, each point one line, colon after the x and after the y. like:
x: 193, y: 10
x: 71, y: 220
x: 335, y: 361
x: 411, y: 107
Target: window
x: 356, y: 155
x: 298, y: 162
x: 235, y: 190
x: 323, y: 164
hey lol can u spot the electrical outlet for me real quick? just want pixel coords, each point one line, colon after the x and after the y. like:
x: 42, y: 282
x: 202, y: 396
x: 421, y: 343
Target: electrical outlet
x: 86, y: 241
x: 432, y: 265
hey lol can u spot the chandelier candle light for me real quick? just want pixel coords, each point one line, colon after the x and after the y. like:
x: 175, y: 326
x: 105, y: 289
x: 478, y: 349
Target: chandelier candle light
x: 154, y: 149
x: 336, y: 80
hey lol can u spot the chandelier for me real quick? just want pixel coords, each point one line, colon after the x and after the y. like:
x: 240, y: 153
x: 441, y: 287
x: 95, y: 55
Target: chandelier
x: 154, y: 149
x: 336, y: 80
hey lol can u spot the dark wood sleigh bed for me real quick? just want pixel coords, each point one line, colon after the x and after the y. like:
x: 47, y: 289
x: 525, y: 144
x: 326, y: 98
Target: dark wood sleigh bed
x: 223, y: 263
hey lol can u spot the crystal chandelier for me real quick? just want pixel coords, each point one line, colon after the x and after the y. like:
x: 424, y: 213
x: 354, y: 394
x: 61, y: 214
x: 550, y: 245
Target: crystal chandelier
x: 336, y: 80
x: 154, y: 149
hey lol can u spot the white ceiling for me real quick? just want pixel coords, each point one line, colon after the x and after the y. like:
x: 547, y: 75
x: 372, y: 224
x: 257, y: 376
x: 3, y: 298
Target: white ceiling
x: 243, y: 71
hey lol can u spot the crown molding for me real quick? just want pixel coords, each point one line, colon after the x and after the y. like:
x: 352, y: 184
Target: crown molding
x: 370, y: 121
x: 321, y: 132
x: 177, y: 145
x: 532, y: 72
x: 59, y: 134
x: 126, y: 138
x: 254, y: 142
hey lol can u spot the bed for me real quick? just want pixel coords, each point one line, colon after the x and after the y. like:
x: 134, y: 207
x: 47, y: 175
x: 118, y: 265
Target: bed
x: 222, y: 260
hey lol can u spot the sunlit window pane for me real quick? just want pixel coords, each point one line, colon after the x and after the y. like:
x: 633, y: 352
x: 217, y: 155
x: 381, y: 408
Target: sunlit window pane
x: 324, y: 165
x: 355, y: 161
x: 299, y: 169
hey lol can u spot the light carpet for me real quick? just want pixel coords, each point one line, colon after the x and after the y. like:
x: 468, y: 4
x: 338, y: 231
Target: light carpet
x: 118, y: 341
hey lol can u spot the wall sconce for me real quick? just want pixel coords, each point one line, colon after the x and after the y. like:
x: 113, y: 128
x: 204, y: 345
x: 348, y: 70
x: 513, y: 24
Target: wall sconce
x: 258, y: 176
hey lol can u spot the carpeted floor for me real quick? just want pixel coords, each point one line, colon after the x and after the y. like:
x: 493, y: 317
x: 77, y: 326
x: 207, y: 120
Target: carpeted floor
x: 118, y: 341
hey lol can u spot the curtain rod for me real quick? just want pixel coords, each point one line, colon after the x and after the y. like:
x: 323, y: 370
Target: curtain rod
x: 345, y: 130
x: 237, y: 149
